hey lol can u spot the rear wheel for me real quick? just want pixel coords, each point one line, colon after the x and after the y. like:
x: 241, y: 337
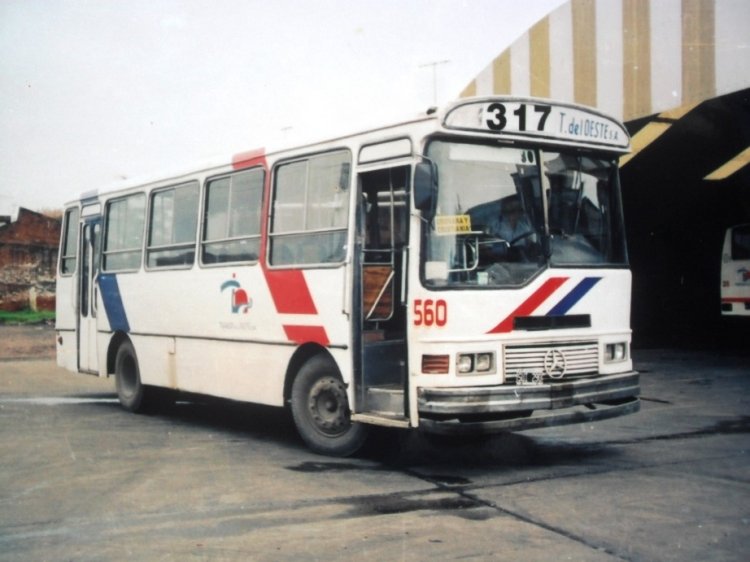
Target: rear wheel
x: 320, y: 409
x: 131, y: 392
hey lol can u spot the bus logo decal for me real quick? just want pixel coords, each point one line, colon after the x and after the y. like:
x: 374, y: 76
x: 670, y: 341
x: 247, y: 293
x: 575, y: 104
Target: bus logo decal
x: 555, y: 364
x: 240, y: 301
x: 541, y: 295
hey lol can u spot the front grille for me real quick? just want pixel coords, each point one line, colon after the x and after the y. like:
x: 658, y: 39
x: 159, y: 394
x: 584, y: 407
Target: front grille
x: 581, y: 358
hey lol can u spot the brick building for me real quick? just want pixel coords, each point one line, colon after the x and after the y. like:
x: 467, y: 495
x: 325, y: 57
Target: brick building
x: 28, y: 256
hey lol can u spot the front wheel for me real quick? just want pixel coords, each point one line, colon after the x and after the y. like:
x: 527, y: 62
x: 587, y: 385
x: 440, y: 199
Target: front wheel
x: 320, y: 409
x: 131, y: 392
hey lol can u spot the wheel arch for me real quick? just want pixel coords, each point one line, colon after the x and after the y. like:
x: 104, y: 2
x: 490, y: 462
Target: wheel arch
x: 301, y: 356
x: 118, y: 338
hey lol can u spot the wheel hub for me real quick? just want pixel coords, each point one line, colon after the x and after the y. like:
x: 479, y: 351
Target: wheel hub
x: 328, y: 405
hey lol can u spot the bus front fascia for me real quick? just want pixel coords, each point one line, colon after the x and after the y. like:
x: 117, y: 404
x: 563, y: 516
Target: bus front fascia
x: 472, y: 410
x: 492, y: 409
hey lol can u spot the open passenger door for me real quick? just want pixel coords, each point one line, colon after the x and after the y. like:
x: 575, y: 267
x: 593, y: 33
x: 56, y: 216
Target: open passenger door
x: 87, y: 289
x: 382, y: 259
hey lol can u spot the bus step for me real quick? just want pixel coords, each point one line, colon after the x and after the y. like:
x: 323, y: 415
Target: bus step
x: 382, y: 419
x: 388, y: 399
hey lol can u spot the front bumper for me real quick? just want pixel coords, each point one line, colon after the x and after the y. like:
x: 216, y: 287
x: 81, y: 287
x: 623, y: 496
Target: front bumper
x: 479, y: 409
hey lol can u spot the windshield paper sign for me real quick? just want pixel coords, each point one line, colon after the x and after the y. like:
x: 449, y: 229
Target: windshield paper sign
x: 452, y: 224
x: 539, y: 119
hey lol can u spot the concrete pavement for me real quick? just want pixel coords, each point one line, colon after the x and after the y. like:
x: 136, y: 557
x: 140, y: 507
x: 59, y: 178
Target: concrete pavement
x: 81, y: 479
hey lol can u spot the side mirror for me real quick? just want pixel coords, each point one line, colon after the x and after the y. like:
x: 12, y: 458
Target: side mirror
x: 425, y: 188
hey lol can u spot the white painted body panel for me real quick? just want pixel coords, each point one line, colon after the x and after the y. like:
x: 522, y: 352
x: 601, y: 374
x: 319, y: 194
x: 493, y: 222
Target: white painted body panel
x: 66, y: 322
x: 187, y: 336
x: 472, y: 315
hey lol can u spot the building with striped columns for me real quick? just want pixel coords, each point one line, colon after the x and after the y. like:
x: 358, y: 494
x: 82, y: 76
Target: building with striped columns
x: 677, y: 72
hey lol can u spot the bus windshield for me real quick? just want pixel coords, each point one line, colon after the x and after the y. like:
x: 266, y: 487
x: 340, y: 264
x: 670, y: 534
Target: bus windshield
x: 492, y: 227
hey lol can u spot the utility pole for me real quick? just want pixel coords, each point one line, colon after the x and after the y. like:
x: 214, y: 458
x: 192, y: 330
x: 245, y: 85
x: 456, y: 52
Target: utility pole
x: 434, y: 65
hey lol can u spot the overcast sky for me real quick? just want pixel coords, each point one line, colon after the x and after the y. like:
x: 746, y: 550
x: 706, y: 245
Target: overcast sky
x: 96, y: 91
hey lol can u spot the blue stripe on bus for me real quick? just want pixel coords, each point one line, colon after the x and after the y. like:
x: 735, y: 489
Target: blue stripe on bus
x: 113, y: 305
x: 570, y: 300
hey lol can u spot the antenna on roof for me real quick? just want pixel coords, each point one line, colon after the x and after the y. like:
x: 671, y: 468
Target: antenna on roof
x: 434, y: 66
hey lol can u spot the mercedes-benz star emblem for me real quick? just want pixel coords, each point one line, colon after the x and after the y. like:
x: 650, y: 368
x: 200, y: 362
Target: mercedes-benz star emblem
x: 554, y: 363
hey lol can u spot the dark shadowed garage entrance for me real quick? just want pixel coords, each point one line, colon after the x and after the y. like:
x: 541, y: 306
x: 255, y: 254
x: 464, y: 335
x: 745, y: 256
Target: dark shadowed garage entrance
x: 676, y: 220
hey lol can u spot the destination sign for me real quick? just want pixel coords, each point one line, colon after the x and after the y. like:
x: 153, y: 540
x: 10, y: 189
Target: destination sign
x: 537, y: 118
x: 453, y: 224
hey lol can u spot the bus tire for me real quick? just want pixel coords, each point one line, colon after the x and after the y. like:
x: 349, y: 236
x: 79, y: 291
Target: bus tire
x: 130, y: 391
x: 320, y: 409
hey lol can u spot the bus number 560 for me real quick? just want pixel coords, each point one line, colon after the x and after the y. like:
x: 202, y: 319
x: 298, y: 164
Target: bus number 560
x: 429, y: 312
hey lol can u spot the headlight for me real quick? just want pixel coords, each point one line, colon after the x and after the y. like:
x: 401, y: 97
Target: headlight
x: 467, y: 363
x: 614, y: 352
x: 484, y: 362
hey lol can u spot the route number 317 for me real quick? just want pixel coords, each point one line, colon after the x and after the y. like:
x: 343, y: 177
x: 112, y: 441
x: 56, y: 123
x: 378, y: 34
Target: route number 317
x: 500, y: 119
x: 430, y: 312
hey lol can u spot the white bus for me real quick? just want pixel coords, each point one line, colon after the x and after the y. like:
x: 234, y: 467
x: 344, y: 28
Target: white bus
x: 464, y: 272
x: 735, y: 271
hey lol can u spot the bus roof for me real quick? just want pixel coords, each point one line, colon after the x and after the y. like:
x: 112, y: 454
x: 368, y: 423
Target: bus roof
x: 509, y: 118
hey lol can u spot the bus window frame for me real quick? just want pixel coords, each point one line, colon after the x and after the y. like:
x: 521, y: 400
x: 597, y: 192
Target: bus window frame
x: 174, y: 246
x: 64, y: 242
x: 346, y: 229
x: 106, y: 233
x: 202, y: 242
x: 734, y: 245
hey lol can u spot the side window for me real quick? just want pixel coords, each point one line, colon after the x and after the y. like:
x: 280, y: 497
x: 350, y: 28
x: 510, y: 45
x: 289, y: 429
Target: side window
x: 69, y: 246
x: 123, y: 233
x: 231, y: 225
x: 741, y: 243
x: 385, y: 196
x: 172, y: 226
x: 310, y: 210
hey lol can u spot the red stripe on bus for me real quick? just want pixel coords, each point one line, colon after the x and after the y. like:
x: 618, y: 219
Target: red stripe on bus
x: 736, y: 299
x: 289, y: 291
x: 529, y: 305
x: 306, y: 334
x: 288, y: 287
x: 249, y: 159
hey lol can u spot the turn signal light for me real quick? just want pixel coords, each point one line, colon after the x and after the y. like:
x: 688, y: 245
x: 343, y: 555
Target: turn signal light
x: 435, y: 364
